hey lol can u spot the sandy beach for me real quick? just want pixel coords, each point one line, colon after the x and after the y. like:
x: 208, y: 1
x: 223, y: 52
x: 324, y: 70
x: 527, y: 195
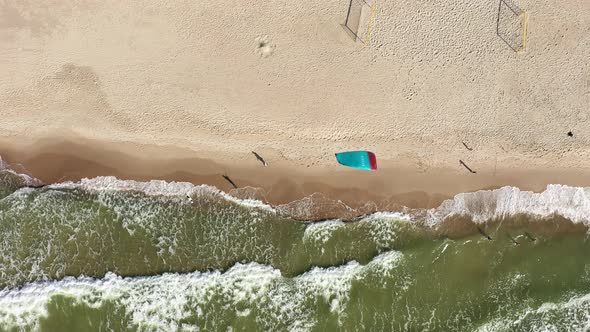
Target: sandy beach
x: 131, y: 199
x: 185, y: 91
x: 392, y: 187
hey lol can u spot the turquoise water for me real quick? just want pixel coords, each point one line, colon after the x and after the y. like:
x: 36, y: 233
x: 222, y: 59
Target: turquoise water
x: 92, y: 258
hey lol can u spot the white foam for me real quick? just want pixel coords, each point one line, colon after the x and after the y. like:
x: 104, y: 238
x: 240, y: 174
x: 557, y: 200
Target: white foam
x: 160, y: 302
x: 569, y: 202
x: 27, y: 180
x: 3, y: 164
x: 384, y: 227
x: 445, y: 246
x: 320, y: 232
x: 572, y: 203
x: 156, y: 188
x: 384, y: 263
x: 572, y: 314
x: 389, y: 215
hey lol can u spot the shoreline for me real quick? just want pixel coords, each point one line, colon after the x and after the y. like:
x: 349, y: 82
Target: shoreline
x: 420, y: 97
x: 393, y: 186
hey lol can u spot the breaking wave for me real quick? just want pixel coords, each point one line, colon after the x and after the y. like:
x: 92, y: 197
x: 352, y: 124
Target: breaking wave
x: 156, y: 188
x: 162, y: 302
x: 111, y: 254
x: 11, y: 177
x: 572, y: 203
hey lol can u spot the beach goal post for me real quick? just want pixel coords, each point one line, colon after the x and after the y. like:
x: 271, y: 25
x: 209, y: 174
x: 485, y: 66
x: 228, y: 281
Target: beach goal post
x: 511, y: 25
x: 359, y: 20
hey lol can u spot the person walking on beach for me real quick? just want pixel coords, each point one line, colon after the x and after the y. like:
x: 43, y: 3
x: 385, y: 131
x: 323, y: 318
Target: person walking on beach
x: 260, y: 158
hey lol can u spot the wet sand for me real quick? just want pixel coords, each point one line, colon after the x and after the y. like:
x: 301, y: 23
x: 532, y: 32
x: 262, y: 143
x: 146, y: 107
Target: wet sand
x: 394, y: 185
x: 202, y: 84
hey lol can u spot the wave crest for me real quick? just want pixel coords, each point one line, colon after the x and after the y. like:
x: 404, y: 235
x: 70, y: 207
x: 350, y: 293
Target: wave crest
x: 15, y: 176
x: 572, y: 203
x: 156, y: 188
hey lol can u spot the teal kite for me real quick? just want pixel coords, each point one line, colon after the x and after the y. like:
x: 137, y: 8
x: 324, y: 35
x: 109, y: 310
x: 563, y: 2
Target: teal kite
x: 358, y: 159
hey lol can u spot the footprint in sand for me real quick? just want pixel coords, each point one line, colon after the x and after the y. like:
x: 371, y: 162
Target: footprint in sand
x: 264, y: 48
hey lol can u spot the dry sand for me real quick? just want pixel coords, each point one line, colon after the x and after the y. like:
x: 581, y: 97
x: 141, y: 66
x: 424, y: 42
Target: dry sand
x: 184, y: 90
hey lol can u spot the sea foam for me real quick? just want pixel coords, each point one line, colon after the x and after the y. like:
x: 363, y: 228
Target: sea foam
x: 160, y: 302
x: 569, y: 202
x: 156, y: 188
x: 572, y: 203
x: 23, y: 179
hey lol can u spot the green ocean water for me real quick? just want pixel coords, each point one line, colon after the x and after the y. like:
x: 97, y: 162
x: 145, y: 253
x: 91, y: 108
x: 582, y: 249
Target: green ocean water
x: 75, y: 258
